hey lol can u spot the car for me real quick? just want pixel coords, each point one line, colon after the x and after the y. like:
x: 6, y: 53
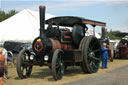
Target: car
x: 14, y: 47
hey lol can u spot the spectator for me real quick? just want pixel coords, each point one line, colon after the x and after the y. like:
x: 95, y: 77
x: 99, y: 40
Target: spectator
x: 4, y: 53
x: 2, y: 66
x: 104, y: 55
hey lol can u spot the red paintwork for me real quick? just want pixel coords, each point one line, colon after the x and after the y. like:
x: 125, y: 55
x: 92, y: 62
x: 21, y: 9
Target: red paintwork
x: 110, y: 54
x: 64, y: 46
x: 40, y: 44
x: 55, y: 44
x: 123, y: 51
x: 67, y: 36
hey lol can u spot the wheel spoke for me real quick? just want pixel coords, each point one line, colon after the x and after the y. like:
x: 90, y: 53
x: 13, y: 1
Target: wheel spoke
x: 26, y: 70
x: 90, y: 66
x: 89, y: 50
x: 94, y: 44
x: 59, y: 73
x: 22, y: 69
x: 90, y: 63
x: 95, y: 58
x: 60, y: 68
x: 94, y: 65
x: 57, y: 63
x: 96, y: 50
x: 57, y: 66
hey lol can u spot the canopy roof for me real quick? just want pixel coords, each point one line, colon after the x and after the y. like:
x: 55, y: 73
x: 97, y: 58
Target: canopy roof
x: 71, y: 20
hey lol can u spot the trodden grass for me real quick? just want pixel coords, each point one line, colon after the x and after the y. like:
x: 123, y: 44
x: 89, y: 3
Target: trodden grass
x: 43, y: 75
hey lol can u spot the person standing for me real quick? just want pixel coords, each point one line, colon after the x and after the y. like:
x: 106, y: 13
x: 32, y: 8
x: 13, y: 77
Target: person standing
x: 104, y: 55
x: 2, y: 66
x: 5, y: 53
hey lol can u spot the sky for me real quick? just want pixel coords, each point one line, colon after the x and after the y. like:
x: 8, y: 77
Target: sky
x: 113, y: 12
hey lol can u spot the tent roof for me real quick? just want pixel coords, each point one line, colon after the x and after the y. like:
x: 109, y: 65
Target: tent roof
x: 22, y: 26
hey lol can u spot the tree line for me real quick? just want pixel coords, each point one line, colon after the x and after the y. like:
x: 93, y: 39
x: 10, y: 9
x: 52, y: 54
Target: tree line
x: 113, y: 35
x: 5, y: 15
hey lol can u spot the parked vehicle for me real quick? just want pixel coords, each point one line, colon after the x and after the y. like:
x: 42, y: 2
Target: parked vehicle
x: 14, y: 48
x: 58, y: 47
x: 121, y: 51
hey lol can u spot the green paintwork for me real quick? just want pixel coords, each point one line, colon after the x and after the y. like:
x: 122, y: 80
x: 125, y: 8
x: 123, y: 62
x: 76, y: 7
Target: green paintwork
x: 67, y: 34
x: 72, y: 56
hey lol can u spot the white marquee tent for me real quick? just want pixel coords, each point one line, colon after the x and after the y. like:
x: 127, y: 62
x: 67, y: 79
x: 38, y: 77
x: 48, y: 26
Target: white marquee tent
x: 24, y: 26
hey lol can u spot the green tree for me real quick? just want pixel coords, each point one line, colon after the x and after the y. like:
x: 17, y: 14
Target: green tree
x: 12, y: 12
x: 112, y: 35
x: 4, y: 15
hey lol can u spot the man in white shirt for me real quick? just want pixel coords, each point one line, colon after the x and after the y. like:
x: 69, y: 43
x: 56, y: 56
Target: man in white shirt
x: 5, y: 53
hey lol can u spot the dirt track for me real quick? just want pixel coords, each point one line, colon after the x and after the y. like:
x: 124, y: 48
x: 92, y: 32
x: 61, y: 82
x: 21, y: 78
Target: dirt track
x: 118, y: 76
x: 43, y: 75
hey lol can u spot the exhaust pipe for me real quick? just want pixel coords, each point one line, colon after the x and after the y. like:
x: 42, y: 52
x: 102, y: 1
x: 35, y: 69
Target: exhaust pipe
x: 103, y: 33
x: 42, y: 20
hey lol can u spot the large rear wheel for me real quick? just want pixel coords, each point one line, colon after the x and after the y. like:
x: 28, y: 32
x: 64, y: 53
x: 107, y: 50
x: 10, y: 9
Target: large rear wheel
x: 91, y: 54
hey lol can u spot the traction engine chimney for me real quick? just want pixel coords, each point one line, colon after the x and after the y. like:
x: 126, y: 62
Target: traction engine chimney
x: 42, y: 20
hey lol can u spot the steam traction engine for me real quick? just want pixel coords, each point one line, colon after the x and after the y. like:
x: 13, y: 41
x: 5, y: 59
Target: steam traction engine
x: 62, y: 44
x: 121, y: 50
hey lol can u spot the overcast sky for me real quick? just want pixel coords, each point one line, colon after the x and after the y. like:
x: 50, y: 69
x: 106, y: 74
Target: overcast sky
x: 113, y: 12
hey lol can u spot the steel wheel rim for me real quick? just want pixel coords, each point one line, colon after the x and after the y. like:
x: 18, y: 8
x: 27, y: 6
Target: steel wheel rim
x: 25, y: 68
x: 93, y: 55
x: 59, y: 67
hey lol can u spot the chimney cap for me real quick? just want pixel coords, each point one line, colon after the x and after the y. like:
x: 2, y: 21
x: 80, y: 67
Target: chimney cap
x: 42, y: 7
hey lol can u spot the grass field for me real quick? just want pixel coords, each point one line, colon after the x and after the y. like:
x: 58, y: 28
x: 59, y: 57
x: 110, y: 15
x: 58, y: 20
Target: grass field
x: 43, y: 75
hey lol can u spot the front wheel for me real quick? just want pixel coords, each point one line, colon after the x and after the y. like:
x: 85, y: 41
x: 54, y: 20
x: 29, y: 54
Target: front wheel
x: 58, y: 64
x: 23, y: 68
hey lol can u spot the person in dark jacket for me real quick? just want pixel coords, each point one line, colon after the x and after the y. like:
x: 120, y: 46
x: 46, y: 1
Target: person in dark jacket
x: 104, y: 55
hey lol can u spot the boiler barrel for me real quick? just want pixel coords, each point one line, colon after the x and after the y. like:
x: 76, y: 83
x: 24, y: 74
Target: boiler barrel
x: 43, y: 46
x: 55, y: 44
